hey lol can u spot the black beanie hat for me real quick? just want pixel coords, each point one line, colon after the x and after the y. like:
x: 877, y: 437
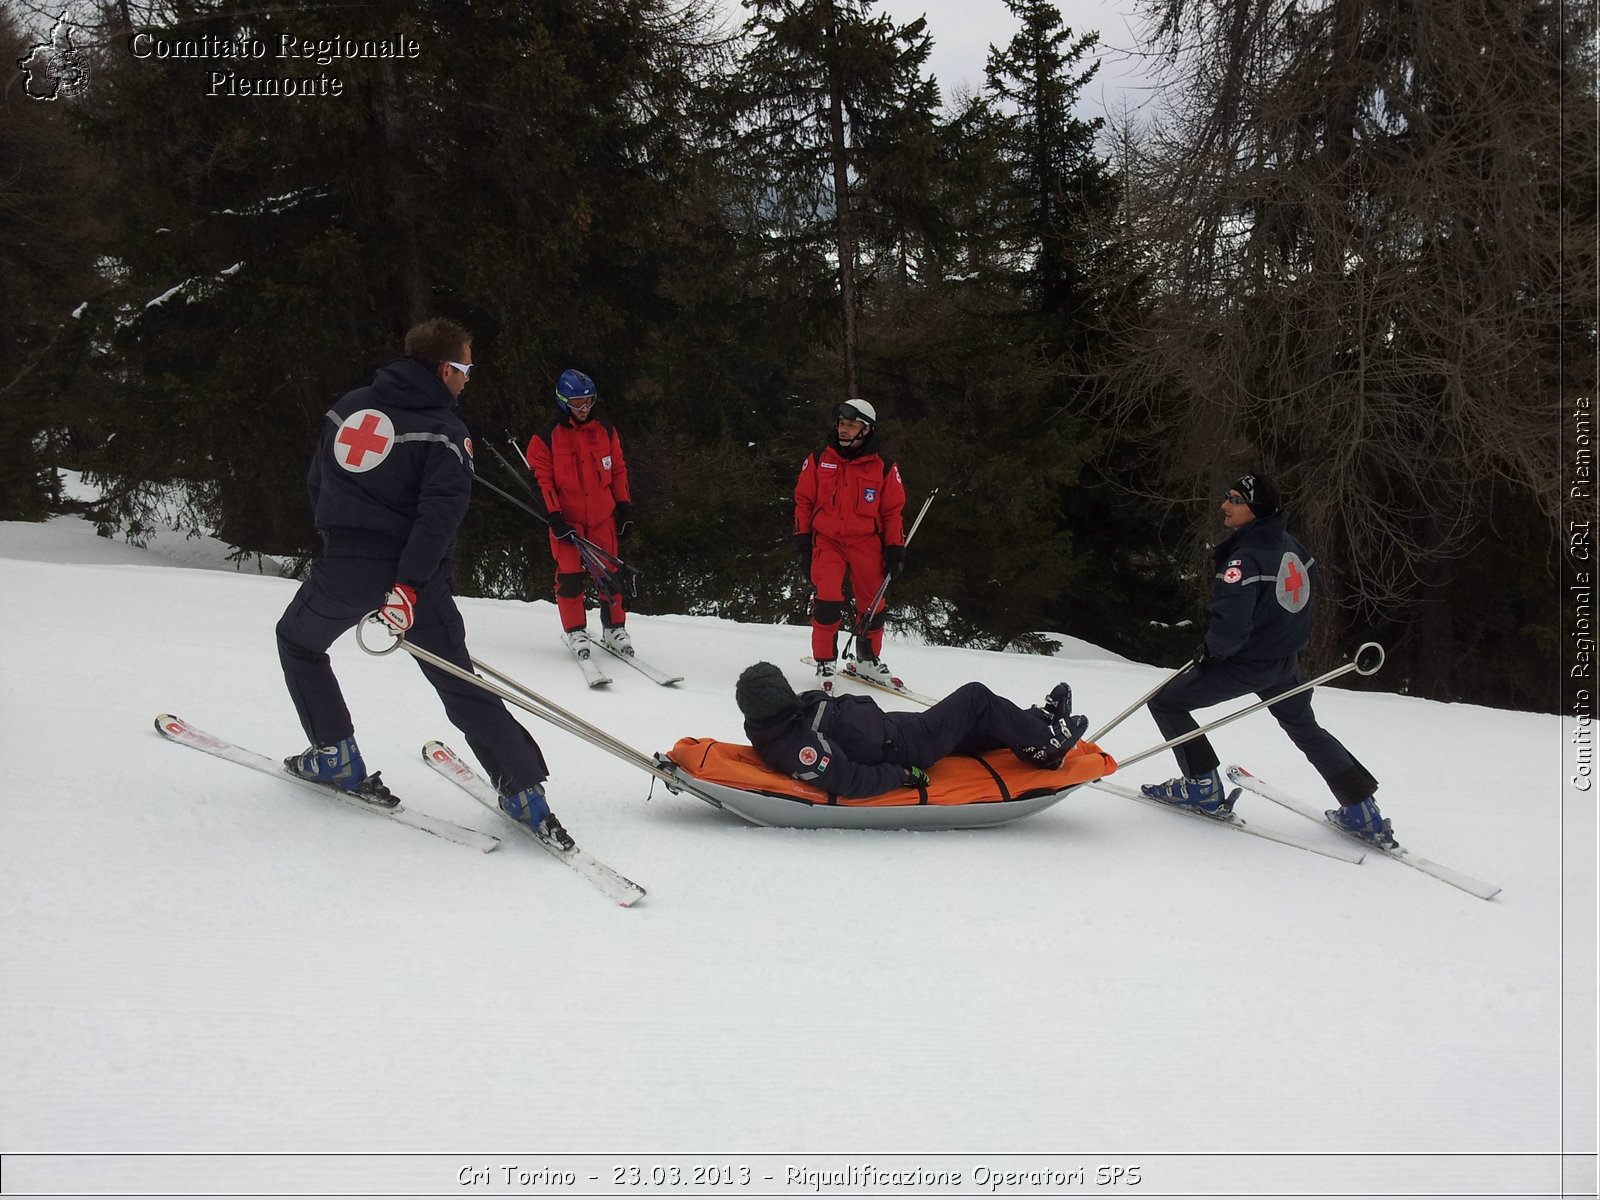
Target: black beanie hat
x: 1260, y: 494
x: 763, y: 693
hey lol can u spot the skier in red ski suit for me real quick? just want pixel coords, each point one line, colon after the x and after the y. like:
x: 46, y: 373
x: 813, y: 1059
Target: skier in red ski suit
x: 577, y: 460
x: 848, y: 508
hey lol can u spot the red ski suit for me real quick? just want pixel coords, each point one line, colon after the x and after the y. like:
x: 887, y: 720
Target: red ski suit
x: 851, y: 505
x: 583, y: 476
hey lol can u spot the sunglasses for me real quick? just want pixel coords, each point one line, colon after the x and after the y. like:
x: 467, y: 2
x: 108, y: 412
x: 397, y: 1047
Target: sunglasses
x: 1234, y: 498
x: 464, y: 368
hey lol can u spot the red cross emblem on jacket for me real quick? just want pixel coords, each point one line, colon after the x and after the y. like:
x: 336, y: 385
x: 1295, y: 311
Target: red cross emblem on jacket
x: 364, y: 440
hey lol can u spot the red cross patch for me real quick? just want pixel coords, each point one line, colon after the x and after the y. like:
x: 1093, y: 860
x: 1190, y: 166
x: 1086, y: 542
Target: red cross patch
x: 364, y: 440
x: 1232, y: 575
x: 808, y: 756
x: 1294, y: 585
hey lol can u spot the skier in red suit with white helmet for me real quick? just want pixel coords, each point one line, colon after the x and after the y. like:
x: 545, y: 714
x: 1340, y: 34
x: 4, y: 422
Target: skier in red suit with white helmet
x: 848, y: 507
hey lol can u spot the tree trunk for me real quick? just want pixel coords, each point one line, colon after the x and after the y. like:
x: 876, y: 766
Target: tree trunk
x: 844, y: 226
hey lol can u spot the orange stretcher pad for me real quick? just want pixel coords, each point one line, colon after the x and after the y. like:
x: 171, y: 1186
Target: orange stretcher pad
x: 963, y: 791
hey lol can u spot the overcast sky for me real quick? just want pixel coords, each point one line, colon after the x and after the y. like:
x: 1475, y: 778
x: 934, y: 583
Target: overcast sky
x: 963, y: 30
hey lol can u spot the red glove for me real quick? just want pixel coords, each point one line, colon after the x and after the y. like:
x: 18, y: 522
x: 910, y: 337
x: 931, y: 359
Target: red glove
x: 399, y: 609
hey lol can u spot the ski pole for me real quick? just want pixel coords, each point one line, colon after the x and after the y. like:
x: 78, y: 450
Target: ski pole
x: 525, y: 698
x: 1353, y: 665
x: 605, y: 557
x: 611, y: 561
x: 512, y: 471
x: 1136, y: 705
x: 859, y: 625
x: 604, y: 579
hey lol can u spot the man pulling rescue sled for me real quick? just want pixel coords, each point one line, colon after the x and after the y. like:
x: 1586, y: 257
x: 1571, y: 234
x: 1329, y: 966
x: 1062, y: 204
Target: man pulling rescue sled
x: 390, y: 483
x: 1260, y: 620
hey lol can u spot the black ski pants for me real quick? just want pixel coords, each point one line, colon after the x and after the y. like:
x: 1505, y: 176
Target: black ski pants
x: 1214, y: 682
x: 339, y: 593
x: 970, y: 720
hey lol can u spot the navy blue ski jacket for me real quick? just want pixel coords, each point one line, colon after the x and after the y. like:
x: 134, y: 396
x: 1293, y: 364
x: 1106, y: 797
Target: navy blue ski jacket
x: 393, y: 475
x: 1261, y: 593
x: 836, y: 743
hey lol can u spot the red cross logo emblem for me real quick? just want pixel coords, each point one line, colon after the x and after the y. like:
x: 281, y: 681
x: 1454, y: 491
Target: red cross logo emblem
x: 1294, y: 581
x: 364, y: 440
x: 1294, y: 585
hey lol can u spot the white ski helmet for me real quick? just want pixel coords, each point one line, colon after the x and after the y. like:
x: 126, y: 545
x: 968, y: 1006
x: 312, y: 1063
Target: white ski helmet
x: 856, y: 410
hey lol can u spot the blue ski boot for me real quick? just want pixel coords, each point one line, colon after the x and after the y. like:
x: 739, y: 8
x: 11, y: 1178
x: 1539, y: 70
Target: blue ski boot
x: 1062, y: 737
x: 1059, y: 702
x: 1365, y: 821
x: 1205, y: 794
x: 340, y: 766
x: 529, y: 807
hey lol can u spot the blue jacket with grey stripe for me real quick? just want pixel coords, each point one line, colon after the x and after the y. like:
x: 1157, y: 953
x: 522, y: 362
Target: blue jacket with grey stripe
x: 1260, y: 606
x: 836, y: 743
x: 411, y: 491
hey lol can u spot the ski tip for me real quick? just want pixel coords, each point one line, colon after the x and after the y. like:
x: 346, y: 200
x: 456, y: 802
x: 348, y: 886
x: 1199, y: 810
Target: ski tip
x: 167, y: 723
x: 438, y: 754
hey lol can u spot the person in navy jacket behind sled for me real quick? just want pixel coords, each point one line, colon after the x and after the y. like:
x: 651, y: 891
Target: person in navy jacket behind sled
x: 390, y: 483
x: 848, y: 746
x: 583, y: 478
x: 1260, y: 620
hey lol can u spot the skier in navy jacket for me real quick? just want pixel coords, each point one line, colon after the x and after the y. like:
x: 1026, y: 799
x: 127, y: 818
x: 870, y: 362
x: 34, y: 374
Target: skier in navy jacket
x: 390, y: 484
x: 1260, y: 620
x: 848, y: 746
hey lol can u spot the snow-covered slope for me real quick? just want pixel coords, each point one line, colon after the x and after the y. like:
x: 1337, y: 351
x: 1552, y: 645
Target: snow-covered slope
x: 199, y: 958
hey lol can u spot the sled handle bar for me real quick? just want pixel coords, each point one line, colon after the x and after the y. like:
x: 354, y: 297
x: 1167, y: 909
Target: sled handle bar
x: 1367, y: 661
x: 525, y: 698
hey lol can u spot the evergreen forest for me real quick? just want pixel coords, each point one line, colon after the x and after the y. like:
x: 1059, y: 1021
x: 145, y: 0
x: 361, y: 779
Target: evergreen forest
x: 1349, y: 243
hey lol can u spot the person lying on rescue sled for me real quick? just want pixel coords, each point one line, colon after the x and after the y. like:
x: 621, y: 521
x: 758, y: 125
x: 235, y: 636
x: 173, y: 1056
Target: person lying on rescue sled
x: 848, y: 746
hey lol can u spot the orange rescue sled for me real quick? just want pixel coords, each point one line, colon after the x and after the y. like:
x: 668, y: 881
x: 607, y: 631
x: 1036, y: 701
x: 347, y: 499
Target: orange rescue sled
x: 964, y: 792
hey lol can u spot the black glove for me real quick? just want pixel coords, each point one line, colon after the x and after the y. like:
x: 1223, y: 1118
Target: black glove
x: 623, y: 516
x: 1201, y: 654
x: 559, y: 526
x: 894, y: 559
x: 802, y: 552
x: 916, y: 777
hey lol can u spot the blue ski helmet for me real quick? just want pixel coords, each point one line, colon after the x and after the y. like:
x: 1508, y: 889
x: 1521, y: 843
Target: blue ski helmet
x: 573, y: 385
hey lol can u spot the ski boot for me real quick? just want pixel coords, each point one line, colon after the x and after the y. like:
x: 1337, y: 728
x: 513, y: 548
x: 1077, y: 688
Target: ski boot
x: 1204, y: 794
x: 577, y: 641
x: 340, y: 766
x: 1058, y: 703
x: 827, y: 668
x: 1063, y: 735
x: 616, y: 638
x: 1365, y: 821
x: 873, y: 670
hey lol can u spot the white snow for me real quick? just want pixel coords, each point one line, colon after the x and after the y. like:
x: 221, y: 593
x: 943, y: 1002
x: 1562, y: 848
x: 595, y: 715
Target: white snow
x: 205, y: 960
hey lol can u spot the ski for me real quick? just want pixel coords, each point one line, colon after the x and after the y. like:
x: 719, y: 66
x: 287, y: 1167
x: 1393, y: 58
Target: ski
x: 895, y: 686
x: 655, y: 673
x: 448, y: 763
x: 592, y: 674
x: 1235, y: 822
x: 184, y: 734
x: 845, y: 672
x: 1474, y: 887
